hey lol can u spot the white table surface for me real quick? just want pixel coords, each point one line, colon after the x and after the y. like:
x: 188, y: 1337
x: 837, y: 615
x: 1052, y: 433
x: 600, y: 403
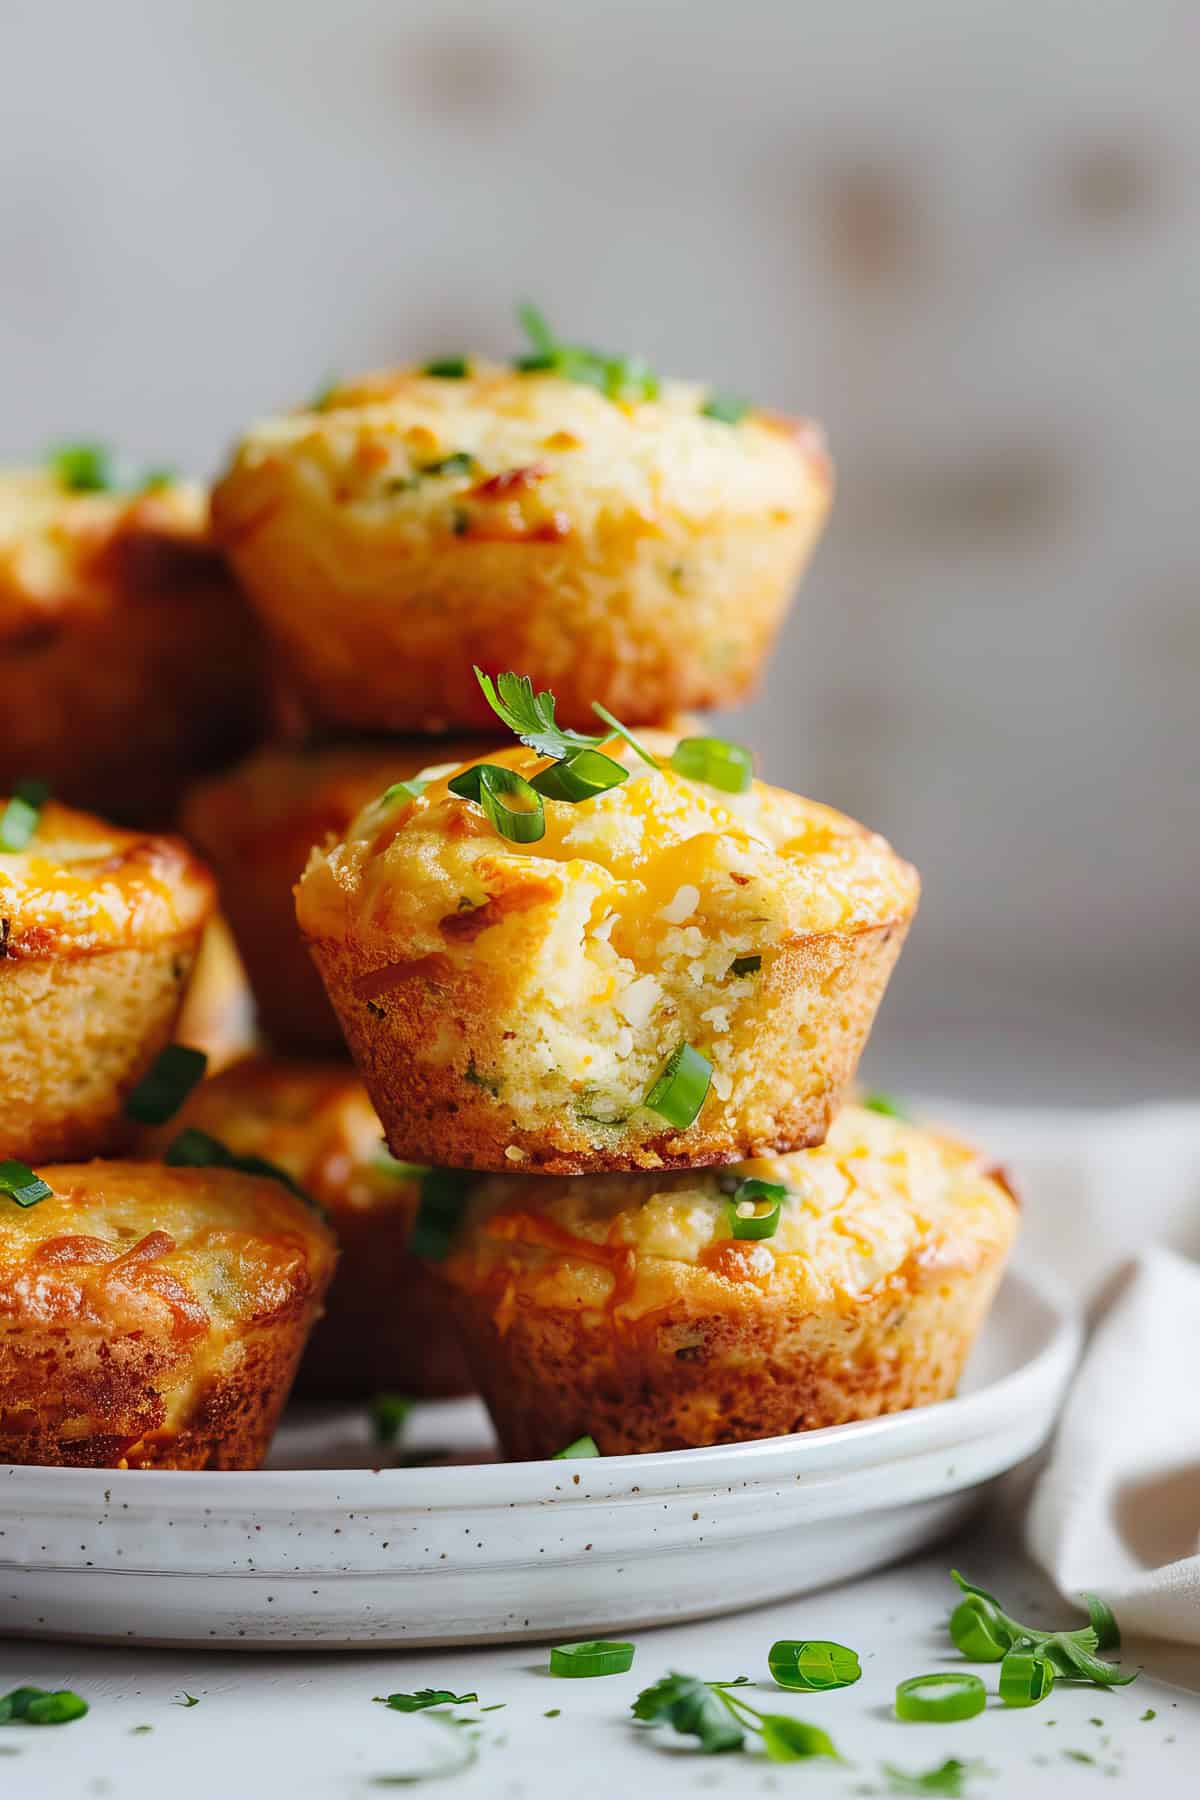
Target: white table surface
x: 297, y: 1725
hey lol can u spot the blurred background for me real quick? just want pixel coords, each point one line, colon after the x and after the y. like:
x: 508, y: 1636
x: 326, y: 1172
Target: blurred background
x: 966, y: 237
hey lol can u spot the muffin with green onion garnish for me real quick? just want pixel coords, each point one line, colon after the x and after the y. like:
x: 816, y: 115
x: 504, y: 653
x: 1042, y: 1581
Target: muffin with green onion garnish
x: 129, y: 654
x: 256, y: 825
x: 384, y: 1325
x: 99, y: 929
x: 665, y: 1312
x: 623, y: 539
x: 152, y: 1318
x: 591, y: 952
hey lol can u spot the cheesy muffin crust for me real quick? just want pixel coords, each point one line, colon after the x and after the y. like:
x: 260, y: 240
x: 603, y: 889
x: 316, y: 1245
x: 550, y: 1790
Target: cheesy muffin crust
x: 622, y: 1306
x: 153, y: 1317
x: 511, y: 1004
x: 131, y: 656
x: 634, y: 552
x: 256, y: 825
x: 385, y: 1325
x: 99, y: 929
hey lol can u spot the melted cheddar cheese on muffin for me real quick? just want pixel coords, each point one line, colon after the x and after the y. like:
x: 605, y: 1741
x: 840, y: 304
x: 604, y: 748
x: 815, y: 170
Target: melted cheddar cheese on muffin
x: 256, y: 824
x: 637, y: 551
x: 514, y: 1002
x: 153, y: 1317
x: 136, y: 658
x: 624, y: 1305
x: 384, y: 1327
x: 99, y: 929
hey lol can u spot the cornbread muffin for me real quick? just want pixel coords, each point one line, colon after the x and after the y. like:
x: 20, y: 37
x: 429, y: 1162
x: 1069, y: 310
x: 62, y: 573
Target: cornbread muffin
x: 384, y: 1325
x: 99, y: 929
x: 622, y: 1306
x: 218, y: 1009
x: 512, y: 1005
x: 256, y: 825
x: 153, y: 1317
x: 131, y: 658
x: 634, y: 552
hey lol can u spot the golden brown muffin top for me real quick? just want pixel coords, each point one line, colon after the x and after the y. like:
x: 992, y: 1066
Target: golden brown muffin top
x: 64, y: 551
x: 313, y: 1121
x: 81, y: 885
x: 880, y: 1201
x: 660, y: 853
x: 521, y: 457
x: 183, y: 1252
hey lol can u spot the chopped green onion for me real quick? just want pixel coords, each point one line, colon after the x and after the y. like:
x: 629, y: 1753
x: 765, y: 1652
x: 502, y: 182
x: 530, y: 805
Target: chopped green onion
x: 940, y: 1699
x: 448, y: 368
x: 402, y: 790
x: 756, y: 1224
x: 491, y: 786
x: 324, y: 394
x: 388, y: 1414
x: 19, y: 1182
x: 745, y: 965
x: 976, y: 1633
x: 580, y: 776
x: 41, y: 1706
x: 812, y: 1665
x: 983, y: 1630
x: 443, y: 1201
x: 85, y: 468
x: 623, y: 731
x: 726, y: 408
x: 459, y: 462
x: 186, y: 1700
x: 19, y: 820
x: 595, y: 1657
x: 681, y: 1087
x: 581, y: 1446
x: 155, y: 480
x: 534, y: 324
x: 424, y: 1698
x: 715, y: 761
x: 1025, y: 1678
x: 195, y: 1149
x: 885, y: 1104
x: 945, y: 1781
x: 618, y: 377
x: 165, y: 1086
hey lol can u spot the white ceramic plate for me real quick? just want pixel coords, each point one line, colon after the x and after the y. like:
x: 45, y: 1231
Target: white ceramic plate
x: 305, y: 1553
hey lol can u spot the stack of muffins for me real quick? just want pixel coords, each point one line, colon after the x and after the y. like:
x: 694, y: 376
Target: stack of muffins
x: 606, y: 992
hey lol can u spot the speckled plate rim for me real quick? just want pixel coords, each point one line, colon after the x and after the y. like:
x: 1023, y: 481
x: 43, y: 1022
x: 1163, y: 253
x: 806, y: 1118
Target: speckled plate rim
x: 840, y: 1449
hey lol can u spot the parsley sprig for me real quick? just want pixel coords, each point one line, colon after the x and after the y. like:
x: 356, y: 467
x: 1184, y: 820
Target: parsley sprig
x: 719, y: 1718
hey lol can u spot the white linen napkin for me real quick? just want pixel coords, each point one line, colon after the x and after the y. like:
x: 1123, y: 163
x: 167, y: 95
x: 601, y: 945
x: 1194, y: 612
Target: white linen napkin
x: 1112, y: 1207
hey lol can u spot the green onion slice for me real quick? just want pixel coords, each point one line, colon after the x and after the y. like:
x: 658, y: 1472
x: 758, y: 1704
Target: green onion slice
x: 42, y: 1706
x: 388, y: 1414
x: 681, y: 1087
x: 20, y: 818
x: 424, y: 1698
x: 19, y: 1182
x: 195, y: 1149
x: 885, y: 1104
x: 756, y: 1224
x: 85, y: 468
x: 726, y: 408
x: 581, y: 1446
x: 448, y: 368
x: 812, y: 1665
x: 714, y: 761
x: 597, y: 1657
x: 1025, y: 1678
x: 459, y: 462
x: 580, y: 776
x: 940, y: 1699
x: 493, y: 787
x: 623, y: 731
x: 443, y: 1201
x: 976, y: 1631
x: 165, y: 1086
x: 402, y: 790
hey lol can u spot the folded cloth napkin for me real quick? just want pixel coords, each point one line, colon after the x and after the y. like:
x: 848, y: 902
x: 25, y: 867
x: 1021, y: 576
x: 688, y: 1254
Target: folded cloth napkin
x: 1112, y: 1207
